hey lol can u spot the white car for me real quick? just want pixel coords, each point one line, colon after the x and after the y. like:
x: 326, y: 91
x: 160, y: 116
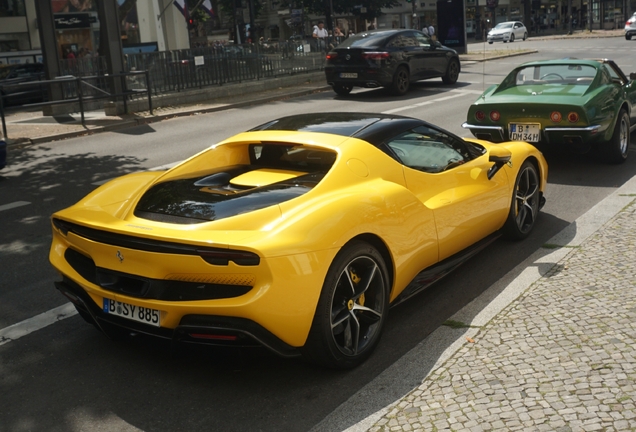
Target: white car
x: 630, y: 27
x: 507, y: 32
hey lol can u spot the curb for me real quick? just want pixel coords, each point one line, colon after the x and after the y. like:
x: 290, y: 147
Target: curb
x: 513, y: 54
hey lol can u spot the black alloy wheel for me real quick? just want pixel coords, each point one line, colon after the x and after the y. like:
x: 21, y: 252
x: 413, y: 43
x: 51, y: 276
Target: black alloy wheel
x: 352, y: 309
x: 452, y: 72
x: 342, y: 89
x: 401, y: 81
x: 524, y: 207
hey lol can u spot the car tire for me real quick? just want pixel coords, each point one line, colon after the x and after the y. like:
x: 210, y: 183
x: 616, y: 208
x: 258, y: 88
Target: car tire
x: 401, y: 81
x: 524, y: 206
x: 616, y: 149
x: 490, y: 42
x: 342, y: 89
x: 525, y: 36
x: 352, y: 309
x: 452, y: 72
x: 512, y: 37
x: 628, y: 37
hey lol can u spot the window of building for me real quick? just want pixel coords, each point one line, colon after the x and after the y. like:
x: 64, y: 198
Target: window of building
x: 12, y: 8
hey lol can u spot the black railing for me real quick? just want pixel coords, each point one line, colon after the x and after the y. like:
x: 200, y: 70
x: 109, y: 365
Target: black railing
x: 217, y: 65
x: 85, y: 88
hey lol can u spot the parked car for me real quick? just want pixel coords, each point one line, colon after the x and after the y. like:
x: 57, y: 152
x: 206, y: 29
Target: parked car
x: 630, y: 27
x: 3, y: 153
x: 389, y: 58
x: 581, y: 104
x: 12, y: 76
x: 297, y: 235
x: 507, y: 31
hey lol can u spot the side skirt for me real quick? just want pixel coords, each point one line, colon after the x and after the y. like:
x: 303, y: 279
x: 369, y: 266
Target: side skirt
x: 430, y: 275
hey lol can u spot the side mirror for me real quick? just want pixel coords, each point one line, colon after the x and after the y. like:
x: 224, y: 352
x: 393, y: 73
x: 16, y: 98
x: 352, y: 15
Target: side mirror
x: 437, y: 44
x: 499, y: 156
x: 632, y: 76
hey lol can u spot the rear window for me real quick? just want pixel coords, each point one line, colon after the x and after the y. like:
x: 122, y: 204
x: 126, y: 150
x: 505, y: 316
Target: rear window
x: 366, y: 40
x: 291, y: 157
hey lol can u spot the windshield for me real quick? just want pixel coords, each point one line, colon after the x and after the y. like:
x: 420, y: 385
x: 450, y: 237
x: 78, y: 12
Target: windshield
x: 5, y: 71
x: 503, y: 25
x: 554, y: 74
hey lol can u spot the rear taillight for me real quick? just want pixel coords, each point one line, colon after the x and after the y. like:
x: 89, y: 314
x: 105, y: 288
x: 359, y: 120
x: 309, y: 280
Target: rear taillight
x: 223, y: 257
x: 495, y: 116
x: 480, y: 116
x: 375, y: 55
x: 573, y: 117
x: 555, y: 116
x: 332, y: 56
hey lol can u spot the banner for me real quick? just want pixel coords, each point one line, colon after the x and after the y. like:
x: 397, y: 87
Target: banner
x: 207, y: 7
x: 182, y: 6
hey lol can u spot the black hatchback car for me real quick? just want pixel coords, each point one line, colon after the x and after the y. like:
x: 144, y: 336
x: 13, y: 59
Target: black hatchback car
x: 389, y: 58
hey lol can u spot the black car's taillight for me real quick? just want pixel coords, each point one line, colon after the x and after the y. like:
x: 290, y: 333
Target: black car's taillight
x: 223, y: 257
x: 375, y: 55
x: 332, y: 56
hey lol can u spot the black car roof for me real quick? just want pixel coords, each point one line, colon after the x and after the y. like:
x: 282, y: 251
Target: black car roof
x: 371, y: 127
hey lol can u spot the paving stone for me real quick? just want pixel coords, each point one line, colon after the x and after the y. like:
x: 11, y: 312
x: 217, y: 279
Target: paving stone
x: 559, y: 358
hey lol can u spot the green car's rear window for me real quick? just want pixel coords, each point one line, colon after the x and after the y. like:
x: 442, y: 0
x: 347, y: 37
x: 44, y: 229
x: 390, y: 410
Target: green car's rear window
x: 554, y: 74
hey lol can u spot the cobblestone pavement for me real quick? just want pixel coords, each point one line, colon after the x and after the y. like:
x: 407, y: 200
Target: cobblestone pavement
x: 559, y: 358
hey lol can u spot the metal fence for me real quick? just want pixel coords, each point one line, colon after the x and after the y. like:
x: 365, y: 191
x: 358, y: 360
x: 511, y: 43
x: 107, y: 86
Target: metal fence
x: 217, y: 65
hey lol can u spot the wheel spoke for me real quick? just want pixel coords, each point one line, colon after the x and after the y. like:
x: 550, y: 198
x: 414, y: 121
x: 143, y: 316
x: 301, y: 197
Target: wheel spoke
x: 367, y: 311
x: 368, y: 282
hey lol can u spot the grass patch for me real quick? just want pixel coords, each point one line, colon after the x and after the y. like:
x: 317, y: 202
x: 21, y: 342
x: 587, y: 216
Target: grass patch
x: 556, y: 246
x: 457, y: 324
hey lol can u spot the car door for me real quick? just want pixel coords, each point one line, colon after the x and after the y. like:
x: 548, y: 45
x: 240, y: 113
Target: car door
x: 518, y: 30
x: 628, y: 88
x: 406, y: 46
x: 435, y: 62
x: 450, y: 180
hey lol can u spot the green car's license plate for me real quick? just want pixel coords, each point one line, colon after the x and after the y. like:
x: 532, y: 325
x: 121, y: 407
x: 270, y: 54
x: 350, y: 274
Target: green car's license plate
x: 348, y: 75
x: 529, y: 132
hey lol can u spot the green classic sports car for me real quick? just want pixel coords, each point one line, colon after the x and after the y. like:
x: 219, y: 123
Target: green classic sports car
x: 581, y: 104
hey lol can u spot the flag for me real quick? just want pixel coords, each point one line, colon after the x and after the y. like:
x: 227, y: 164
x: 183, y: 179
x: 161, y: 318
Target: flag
x: 182, y: 6
x: 207, y: 7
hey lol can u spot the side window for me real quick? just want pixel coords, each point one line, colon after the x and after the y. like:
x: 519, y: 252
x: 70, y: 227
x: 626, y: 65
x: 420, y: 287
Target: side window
x: 423, y: 40
x: 430, y: 150
x: 612, y: 73
x: 404, y: 40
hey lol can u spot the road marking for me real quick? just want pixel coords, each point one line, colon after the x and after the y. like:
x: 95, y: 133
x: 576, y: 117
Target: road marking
x: 159, y: 168
x: 13, y: 205
x: 23, y: 328
x: 408, y: 107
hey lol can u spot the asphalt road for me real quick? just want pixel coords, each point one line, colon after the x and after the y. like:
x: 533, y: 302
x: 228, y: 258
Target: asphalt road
x: 68, y: 377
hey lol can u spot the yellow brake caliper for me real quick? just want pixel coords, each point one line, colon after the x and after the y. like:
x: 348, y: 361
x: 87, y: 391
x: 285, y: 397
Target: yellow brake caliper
x: 355, y: 279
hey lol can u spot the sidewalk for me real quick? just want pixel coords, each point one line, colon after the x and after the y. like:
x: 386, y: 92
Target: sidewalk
x: 33, y: 128
x: 558, y: 357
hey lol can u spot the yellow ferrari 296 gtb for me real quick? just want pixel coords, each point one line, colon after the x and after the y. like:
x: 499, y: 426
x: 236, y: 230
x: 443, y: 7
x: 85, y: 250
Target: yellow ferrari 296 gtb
x: 297, y: 235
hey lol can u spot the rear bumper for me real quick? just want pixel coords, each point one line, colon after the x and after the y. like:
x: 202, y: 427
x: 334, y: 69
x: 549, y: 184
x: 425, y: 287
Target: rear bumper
x: 194, y: 328
x: 553, y: 135
x: 369, y: 78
